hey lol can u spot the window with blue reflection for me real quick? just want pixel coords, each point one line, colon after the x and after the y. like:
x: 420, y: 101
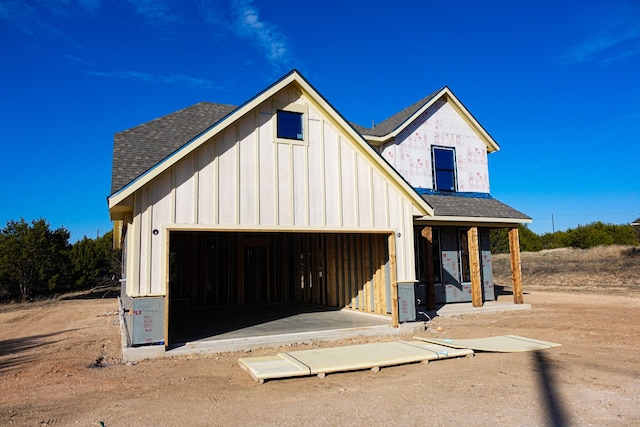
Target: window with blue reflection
x: 290, y: 125
x: 444, y: 168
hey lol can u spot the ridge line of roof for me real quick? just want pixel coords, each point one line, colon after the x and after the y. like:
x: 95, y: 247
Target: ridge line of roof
x: 383, y: 128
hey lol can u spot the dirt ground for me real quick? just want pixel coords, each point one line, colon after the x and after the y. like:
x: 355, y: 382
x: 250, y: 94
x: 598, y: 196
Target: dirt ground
x: 60, y: 365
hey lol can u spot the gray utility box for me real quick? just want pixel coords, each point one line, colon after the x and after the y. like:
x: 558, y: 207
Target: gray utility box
x: 406, y: 302
x: 147, y: 320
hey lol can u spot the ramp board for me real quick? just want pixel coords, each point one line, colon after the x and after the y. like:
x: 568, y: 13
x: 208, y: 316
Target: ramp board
x: 346, y: 358
x: 499, y: 344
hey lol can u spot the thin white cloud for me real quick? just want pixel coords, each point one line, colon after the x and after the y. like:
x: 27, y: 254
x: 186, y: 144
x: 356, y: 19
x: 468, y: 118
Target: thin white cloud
x: 179, y: 79
x: 268, y: 37
x: 159, y: 12
x: 619, y: 38
x: 607, y: 47
x: 20, y: 15
x: 37, y: 19
x: 240, y: 18
x: 65, y: 8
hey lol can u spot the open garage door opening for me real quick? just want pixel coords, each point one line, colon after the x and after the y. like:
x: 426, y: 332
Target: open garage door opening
x: 223, y: 283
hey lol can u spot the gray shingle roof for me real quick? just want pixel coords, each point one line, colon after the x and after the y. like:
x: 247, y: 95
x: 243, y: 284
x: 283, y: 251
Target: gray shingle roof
x: 476, y: 207
x: 138, y: 149
x: 392, y: 123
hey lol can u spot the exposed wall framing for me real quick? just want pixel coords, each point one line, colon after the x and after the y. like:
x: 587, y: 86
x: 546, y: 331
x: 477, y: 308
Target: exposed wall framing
x: 208, y: 269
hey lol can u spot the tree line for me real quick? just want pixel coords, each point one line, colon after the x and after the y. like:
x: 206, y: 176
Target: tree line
x: 37, y: 261
x: 582, y: 237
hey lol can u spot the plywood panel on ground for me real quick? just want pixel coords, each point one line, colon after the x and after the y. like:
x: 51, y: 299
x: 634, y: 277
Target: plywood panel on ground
x: 345, y: 358
x: 499, y: 344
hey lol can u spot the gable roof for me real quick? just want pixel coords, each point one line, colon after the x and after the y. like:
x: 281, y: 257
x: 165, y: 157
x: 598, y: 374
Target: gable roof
x: 224, y: 116
x: 138, y: 149
x: 391, y: 123
x: 392, y: 126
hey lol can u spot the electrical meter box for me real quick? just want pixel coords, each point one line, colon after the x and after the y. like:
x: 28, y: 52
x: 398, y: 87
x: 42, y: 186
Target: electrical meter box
x: 147, y: 320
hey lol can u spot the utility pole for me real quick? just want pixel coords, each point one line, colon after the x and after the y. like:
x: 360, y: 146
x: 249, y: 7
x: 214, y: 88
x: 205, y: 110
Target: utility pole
x: 553, y: 225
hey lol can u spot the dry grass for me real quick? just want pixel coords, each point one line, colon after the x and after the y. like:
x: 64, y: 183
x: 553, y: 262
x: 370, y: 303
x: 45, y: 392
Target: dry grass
x: 603, y: 269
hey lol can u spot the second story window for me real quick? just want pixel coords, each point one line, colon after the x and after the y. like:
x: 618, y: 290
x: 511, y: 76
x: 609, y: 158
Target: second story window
x: 444, y: 168
x: 290, y: 125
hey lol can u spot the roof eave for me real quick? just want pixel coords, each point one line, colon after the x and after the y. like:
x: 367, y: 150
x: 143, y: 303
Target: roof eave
x: 492, y: 145
x: 419, y: 202
x: 192, y: 145
x: 293, y: 76
x: 507, y: 222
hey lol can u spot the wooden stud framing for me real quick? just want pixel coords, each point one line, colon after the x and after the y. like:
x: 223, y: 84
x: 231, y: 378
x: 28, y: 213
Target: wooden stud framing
x: 394, y: 284
x: 353, y: 271
x: 213, y: 269
x: 330, y: 258
x: 344, y: 267
x: 516, y: 271
x: 474, y: 266
x: 380, y: 276
x: 427, y: 234
x: 369, y: 266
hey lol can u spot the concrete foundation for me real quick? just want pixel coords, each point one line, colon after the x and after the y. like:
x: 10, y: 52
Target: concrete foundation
x: 307, y: 327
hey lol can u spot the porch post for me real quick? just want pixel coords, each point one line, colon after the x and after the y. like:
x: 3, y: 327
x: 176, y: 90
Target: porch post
x: 395, y: 322
x: 474, y: 266
x: 516, y: 271
x: 427, y: 234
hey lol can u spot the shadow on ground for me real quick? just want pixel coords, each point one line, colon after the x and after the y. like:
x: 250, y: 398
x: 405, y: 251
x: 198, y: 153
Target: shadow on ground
x: 12, y: 350
x: 549, y: 395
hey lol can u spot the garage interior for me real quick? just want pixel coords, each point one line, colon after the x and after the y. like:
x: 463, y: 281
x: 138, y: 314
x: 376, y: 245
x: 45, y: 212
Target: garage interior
x: 234, y: 284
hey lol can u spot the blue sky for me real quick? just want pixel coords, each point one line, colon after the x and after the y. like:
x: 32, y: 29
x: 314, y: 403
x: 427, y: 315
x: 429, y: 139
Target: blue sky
x: 556, y: 83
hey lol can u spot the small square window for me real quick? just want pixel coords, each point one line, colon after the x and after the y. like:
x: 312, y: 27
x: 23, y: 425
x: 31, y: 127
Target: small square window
x: 290, y: 125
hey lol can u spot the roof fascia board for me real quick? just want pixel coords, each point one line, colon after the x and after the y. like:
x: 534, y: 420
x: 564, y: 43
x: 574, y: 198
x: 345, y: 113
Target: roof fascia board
x: 293, y: 76
x: 468, y: 117
x: 192, y: 145
x: 492, y: 145
x: 473, y: 220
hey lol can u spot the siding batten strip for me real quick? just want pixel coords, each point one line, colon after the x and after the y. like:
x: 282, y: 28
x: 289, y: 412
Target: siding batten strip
x: 256, y: 119
x: 276, y: 185
x: 387, y: 221
x: 148, y: 243
x: 134, y: 272
x: 307, y: 203
x: 356, y: 199
x: 196, y: 187
x: 216, y: 184
x: 372, y: 196
x: 323, y: 183
x: 340, y: 180
x: 292, y: 199
x: 236, y: 129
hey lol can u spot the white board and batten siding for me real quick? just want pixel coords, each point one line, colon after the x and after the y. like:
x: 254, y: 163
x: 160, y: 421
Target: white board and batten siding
x: 242, y: 179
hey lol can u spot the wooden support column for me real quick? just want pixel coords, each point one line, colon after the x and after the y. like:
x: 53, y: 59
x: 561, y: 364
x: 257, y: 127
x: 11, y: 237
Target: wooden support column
x: 427, y: 234
x: 394, y: 284
x: 516, y: 270
x: 474, y: 266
